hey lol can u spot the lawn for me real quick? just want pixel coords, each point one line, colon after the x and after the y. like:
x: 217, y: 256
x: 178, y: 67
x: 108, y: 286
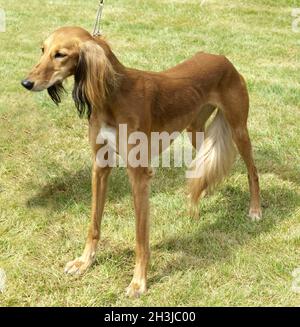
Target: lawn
x: 222, y: 259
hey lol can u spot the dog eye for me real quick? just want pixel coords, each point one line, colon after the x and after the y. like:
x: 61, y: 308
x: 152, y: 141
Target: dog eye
x: 43, y: 50
x: 59, y: 55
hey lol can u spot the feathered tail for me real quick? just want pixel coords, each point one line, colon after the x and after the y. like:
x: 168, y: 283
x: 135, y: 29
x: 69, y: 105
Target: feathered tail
x: 214, y: 159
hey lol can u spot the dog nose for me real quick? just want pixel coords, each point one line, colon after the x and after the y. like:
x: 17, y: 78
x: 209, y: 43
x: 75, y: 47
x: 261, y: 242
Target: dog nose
x: 27, y: 84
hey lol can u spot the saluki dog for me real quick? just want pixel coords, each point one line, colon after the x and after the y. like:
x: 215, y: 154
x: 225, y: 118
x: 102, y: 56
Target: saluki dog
x: 178, y: 99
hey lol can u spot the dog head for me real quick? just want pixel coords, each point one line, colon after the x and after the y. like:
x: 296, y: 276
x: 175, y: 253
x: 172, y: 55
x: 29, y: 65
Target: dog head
x: 73, y: 51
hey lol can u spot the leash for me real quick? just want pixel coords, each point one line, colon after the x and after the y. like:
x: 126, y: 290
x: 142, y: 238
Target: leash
x: 97, y: 26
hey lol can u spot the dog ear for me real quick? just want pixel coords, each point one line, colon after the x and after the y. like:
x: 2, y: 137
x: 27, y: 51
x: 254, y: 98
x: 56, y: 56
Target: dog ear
x: 94, y: 78
x: 55, y: 92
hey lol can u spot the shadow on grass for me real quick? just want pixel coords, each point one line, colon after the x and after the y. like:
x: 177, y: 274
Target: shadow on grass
x: 206, y: 243
x: 210, y: 241
x: 76, y: 187
x: 270, y: 161
x: 215, y: 242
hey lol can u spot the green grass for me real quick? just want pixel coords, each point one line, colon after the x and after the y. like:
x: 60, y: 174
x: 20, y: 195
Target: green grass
x: 223, y: 259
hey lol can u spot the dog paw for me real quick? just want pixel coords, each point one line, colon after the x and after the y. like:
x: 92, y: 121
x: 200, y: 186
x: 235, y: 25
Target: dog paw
x: 135, y: 289
x: 255, y: 214
x: 77, y: 266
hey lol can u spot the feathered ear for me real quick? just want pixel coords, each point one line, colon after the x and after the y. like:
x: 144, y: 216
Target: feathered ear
x: 95, y: 78
x: 55, y: 92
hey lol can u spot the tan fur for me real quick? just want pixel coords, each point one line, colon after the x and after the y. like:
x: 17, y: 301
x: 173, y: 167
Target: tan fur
x: 101, y: 76
x: 182, y: 97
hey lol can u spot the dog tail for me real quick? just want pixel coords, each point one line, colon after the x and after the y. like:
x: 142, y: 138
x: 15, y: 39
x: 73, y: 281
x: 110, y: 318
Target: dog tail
x: 214, y: 159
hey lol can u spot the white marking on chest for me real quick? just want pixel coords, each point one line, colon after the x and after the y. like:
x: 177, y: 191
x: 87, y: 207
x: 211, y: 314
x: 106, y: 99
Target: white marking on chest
x: 108, y: 134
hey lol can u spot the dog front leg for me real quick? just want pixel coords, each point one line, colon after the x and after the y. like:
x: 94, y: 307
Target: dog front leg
x: 99, y: 187
x: 140, y: 182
